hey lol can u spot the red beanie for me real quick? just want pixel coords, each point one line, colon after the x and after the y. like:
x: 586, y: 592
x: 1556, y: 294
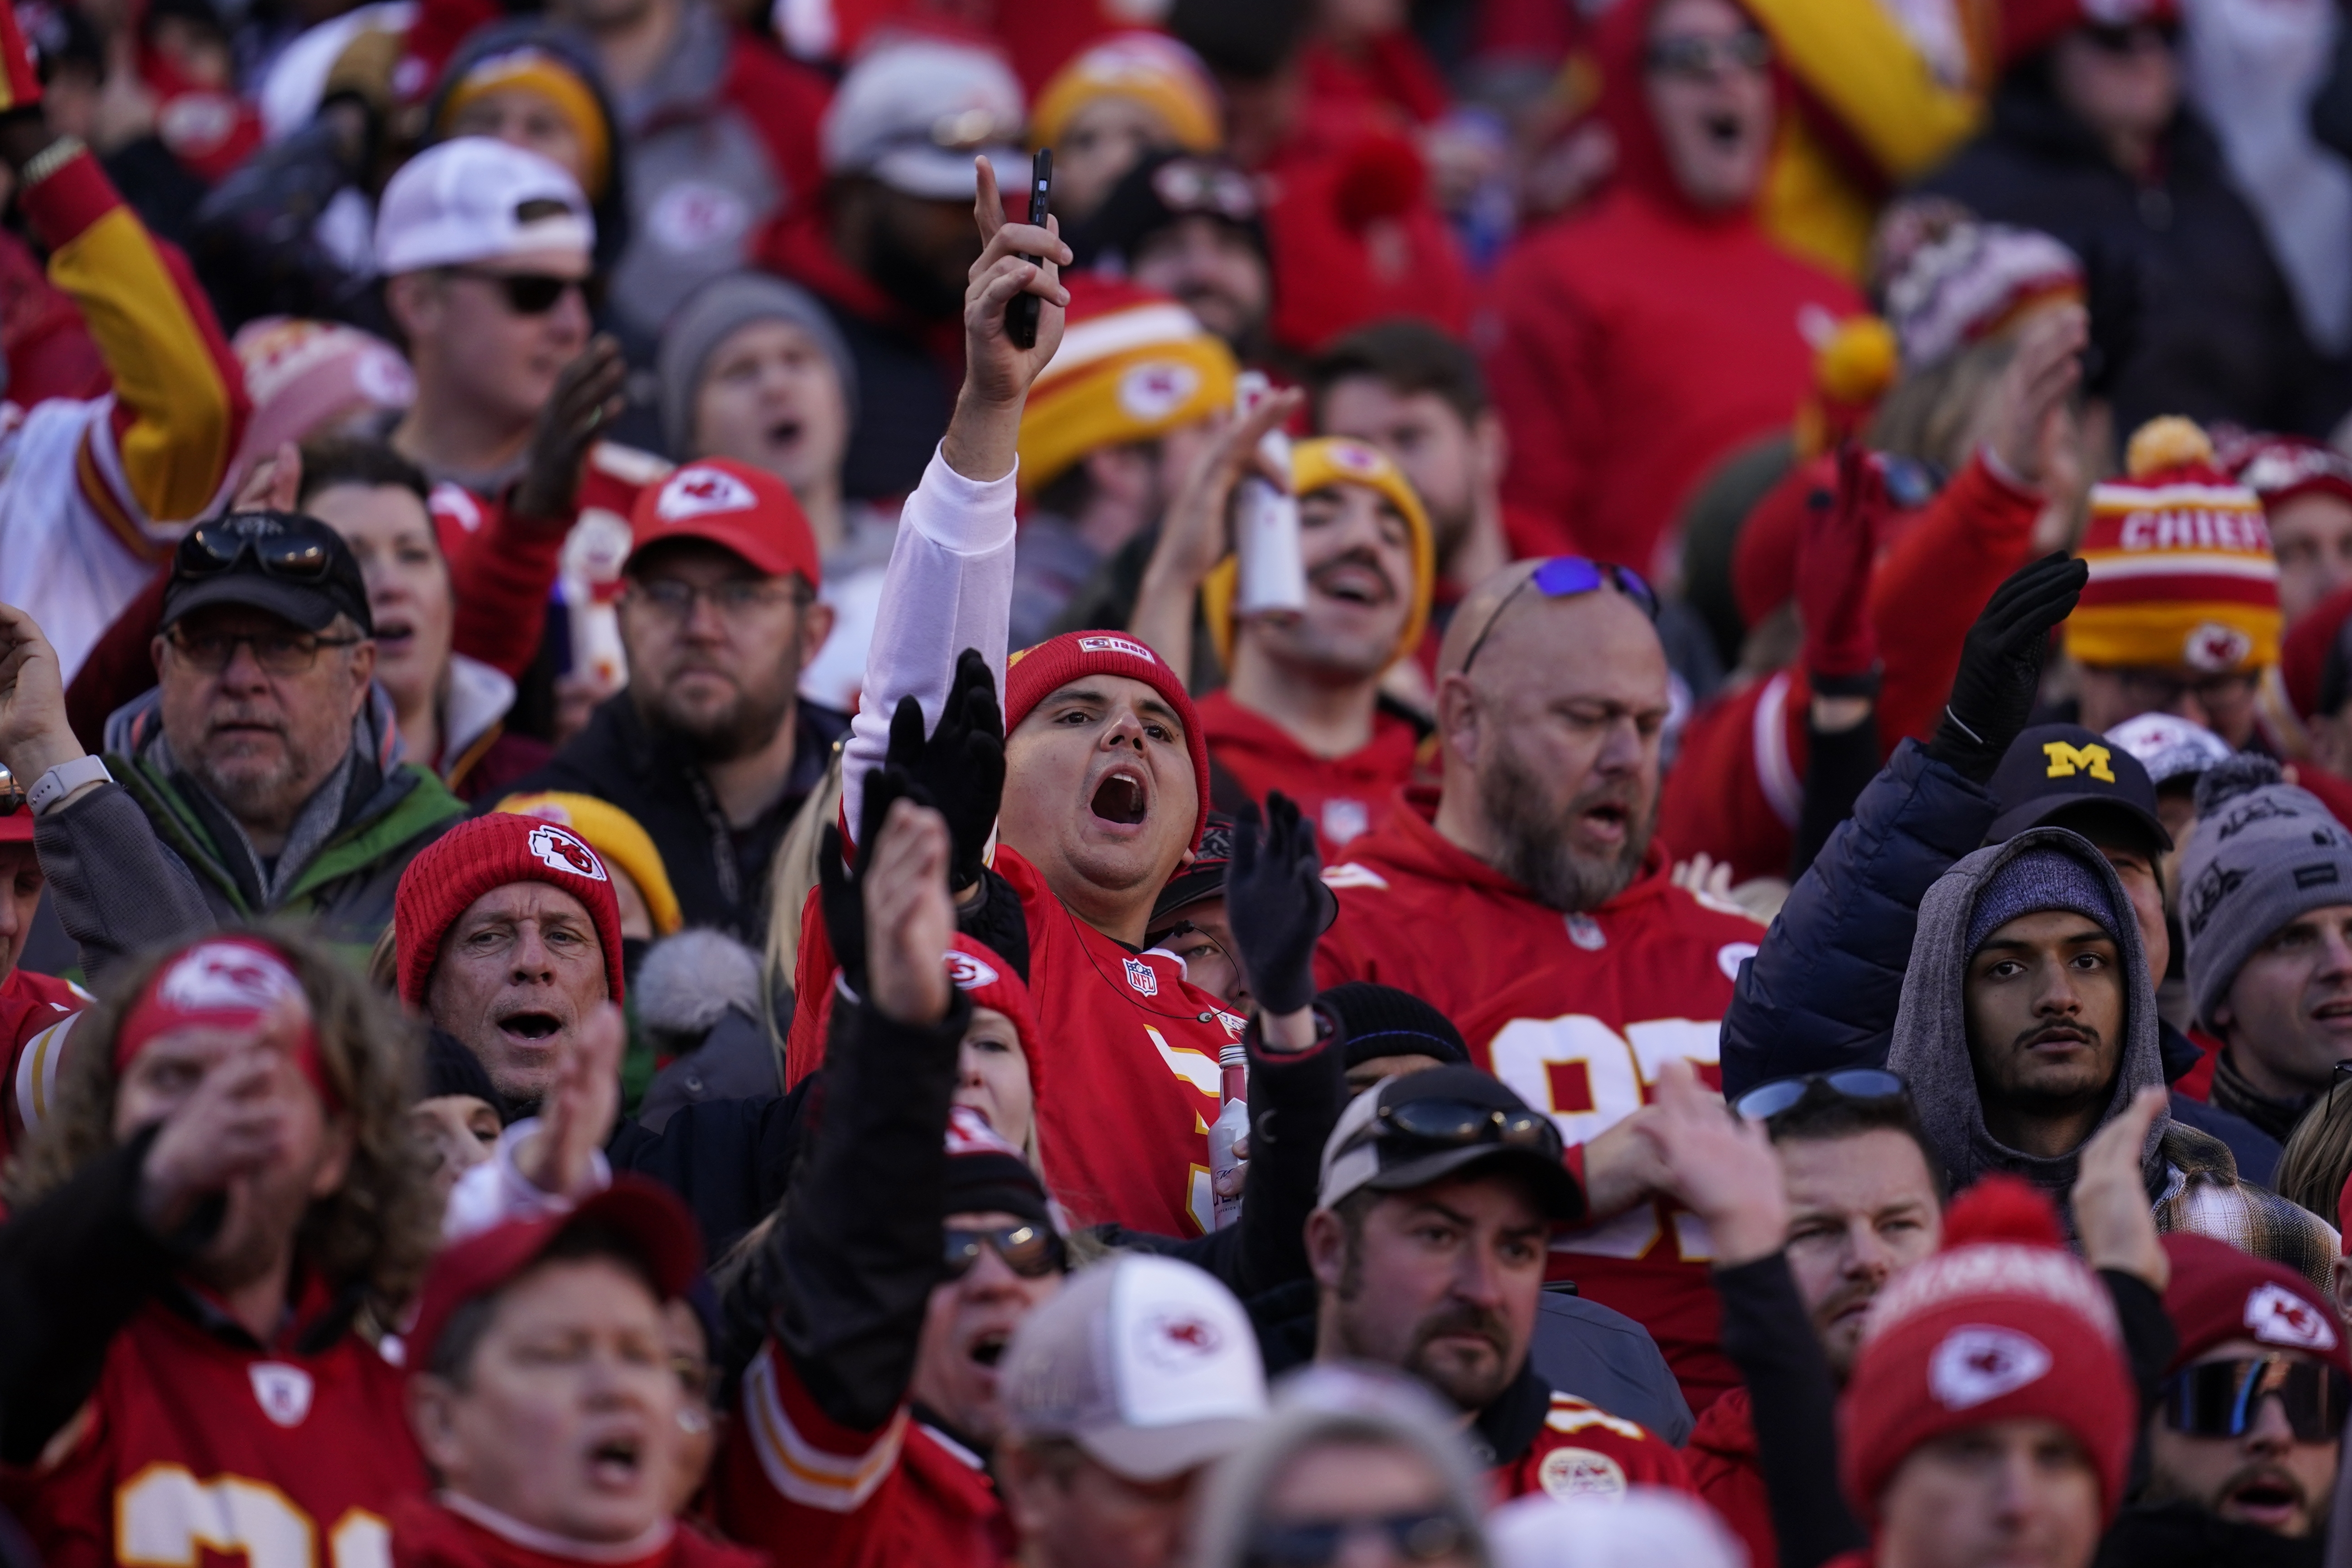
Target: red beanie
x: 490, y: 852
x: 2219, y: 1293
x: 1035, y: 673
x: 991, y: 981
x: 2002, y: 1324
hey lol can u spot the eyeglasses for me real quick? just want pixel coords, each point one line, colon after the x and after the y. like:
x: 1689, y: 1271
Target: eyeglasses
x: 2154, y: 691
x: 2125, y: 40
x: 1767, y: 1101
x: 1186, y: 186
x: 216, y: 546
x: 533, y: 293
x: 1460, y: 1124
x: 1564, y: 577
x: 1746, y: 50
x: 277, y: 653
x: 2224, y: 1398
x: 1415, y: 1537
x: 1031, y: 1251
x: 736, y: 599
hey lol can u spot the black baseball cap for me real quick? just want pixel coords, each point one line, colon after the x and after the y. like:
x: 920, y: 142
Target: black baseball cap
x: 1428, y: 1125
x: 2064, y: 770
x: 290, y: 564
x: 1206, y: 879
x: 1162, y: 191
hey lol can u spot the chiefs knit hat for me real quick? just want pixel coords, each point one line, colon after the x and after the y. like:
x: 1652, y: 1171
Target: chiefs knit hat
x: 1318, y: 465
x: 617, y: 838
x: 2002, y: 1324
x: 1033, y: 674
x: 1133, y: 365
x: 2181, y: 569
x: 734, y: 506
x: 1152, y: 69
x: 2263, y: 852
x: 991, y: 983
x: 490, y: 852
x: 2281, y: 468
x: 1970, y: 283
x: 2219, y: 1293
x: 224, y: 981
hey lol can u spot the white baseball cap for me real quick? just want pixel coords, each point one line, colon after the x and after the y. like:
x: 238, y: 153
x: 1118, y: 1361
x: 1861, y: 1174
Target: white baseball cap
x: 912, y: 112
x: 1148, y: 1365
x: 476, y: 199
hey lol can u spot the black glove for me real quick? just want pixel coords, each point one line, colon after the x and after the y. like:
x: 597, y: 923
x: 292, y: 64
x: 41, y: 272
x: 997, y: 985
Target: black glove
x: 2000, y: 665
x: 842, y: 893
x: 1274, y: 901
x: 961, y: 768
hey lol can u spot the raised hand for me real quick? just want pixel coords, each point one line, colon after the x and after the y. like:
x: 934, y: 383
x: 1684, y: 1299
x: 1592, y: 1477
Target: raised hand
x: 2001, y: 664
x: 239, y: 1118
x: 983, y: 435
x: 960, y: 767
x: 587, y: 395
x: 909, y: 918
x: 840, y: 886
x: 2032, y: 390
x: 578, y: 1113
x: 1833, y: 562
x: 1720, y: 1167
x: 1273, y: 900
x: 2110, y: 1196
x: 34, y: 735
x: 272, y: 483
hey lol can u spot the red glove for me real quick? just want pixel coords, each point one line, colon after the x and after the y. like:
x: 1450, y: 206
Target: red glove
x: 1833, y: 566
x: 20, y: 83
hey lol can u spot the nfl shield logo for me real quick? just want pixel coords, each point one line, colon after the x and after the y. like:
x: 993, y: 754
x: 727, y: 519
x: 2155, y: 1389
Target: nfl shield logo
x: 1141, y: 975
x: 282, y: 1391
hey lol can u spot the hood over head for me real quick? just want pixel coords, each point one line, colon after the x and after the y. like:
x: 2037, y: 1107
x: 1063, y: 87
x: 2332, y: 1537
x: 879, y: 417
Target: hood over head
x: 1621, y: 40
x: 1930, y: 1047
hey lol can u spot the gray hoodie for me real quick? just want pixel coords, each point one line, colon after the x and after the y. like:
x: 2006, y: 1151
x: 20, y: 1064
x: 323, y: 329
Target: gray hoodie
x: 1930, y: 1046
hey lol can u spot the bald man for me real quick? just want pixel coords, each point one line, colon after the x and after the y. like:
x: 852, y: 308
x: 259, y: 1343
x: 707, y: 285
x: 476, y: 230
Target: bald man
x: 1536, y: 909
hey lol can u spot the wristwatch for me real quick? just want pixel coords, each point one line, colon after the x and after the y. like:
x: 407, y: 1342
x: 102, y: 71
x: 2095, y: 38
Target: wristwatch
x: 64, y: 779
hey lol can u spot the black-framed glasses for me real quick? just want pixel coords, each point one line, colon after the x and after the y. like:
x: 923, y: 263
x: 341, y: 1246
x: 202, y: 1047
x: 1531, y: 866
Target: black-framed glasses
x: 2224, y: 1398
x: 1460, y: 1124
x: 1564, y: 577
x: 217, y: 544
x: 1746, y: 50
x: 1031, y: 1251
x: 1426, y: 1537
x: 1767, y: 1101
x: 735, y: 598
x: 532, y: 293
x: 288, y: 652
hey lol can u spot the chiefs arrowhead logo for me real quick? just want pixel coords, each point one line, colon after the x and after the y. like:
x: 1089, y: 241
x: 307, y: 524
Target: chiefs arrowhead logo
x: 968, y: 973
x: 558, y: 851
x: 221, y: 975
x: 1979, y: 1363
x: 282, y: 1391
x: 1153, y: 391
x: 1177, y: 1339
x: 1580, y: 1472
x: 698, y: 492
x: 2214, y: 647
x: 2277, y: 1316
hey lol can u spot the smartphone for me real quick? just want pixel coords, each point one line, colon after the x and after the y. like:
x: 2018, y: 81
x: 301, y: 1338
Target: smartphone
x: 1021, y: 315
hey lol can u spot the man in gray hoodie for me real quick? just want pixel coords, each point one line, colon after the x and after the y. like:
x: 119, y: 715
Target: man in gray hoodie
x: 2028, y: 1022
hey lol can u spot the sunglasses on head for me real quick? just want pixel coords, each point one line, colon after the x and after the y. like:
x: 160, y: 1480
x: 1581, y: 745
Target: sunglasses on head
x: 532, y: 293
x: 1031, y: 1251
x: 1460, y: 1124
x: 2224, y: 1398
x: 212, y: 548
x: 1414, y: 1537
x: 1564, y: 577
x: 1767, y: 1101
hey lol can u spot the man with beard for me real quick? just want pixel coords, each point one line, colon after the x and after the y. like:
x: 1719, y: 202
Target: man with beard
x: 710, y: 746
x: 888, y: 247
x: 1427, y: 1243
x: 1534, y: 909
x: 1190, y: 226
x: 255, y: 780
x: 1302, y: 711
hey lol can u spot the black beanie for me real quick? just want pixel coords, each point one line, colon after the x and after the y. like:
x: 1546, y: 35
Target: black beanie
x: 452, y: 1068
x: 988, y: 1175
x: 1383, y: 1021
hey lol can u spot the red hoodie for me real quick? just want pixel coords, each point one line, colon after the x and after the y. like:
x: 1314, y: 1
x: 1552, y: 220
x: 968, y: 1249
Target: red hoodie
x: 1632, y: 345
x: 1722, y: 1461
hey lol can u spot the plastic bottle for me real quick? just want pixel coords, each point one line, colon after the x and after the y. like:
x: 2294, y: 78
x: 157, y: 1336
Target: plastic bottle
x: 1265, y: 522
x: 1230, y: 1128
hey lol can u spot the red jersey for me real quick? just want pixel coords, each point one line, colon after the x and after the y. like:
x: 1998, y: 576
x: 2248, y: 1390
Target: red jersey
x: 426, y: 1533
x: 1584, y: 1451
x: 1341, y: 795
x: 194, y: 1448
x: 1577, y: 1012
x: 821, y: 1495
x: 1722, y: 1461
x: 33, y: 1012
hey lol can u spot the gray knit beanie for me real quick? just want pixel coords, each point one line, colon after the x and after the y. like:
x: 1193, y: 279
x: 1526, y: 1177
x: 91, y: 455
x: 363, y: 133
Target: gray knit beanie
x: 2043, y: 877
x: 711, y: 315
x: 2263, y: 853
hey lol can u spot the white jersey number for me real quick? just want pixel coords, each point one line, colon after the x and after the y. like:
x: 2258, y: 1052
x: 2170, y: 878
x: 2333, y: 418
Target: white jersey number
x: 165, y: 1516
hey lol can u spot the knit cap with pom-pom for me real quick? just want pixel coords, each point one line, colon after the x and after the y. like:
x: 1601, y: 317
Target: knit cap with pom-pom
x: 2264, y: 851
x: 2182, y: 577
x: 2002, y: 1324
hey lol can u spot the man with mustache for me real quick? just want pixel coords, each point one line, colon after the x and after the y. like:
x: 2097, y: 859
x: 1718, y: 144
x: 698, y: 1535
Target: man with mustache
x: 259, y: 779
x: 1439, y: 1191
x: 1302, y: 710
x: 1533, y: 908
x: 710, y: 746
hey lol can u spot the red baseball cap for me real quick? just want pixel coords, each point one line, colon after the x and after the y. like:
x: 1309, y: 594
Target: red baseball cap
x: 648, y: 1213
x: 732, y: 504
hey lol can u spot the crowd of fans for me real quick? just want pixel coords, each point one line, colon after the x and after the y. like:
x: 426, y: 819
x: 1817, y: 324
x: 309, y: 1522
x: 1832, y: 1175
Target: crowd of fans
x: 1549, y: 787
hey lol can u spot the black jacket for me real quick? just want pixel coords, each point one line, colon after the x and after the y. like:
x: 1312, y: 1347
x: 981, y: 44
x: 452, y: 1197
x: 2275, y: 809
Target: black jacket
x: 2182, y: 1535
x: 2189, y: 308
x: 720, y: 876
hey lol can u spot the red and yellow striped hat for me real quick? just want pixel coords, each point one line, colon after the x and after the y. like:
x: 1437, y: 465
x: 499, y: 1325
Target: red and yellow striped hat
x: 2181, y: 569
x: 1133, y: 365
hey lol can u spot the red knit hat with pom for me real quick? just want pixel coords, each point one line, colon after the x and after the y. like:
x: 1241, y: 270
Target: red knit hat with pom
x: 1034, y: 674
x: 490, y: 852
x: 2002, y: 1324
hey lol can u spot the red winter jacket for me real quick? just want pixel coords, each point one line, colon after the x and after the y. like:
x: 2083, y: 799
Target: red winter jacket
x: 1722, y: 1461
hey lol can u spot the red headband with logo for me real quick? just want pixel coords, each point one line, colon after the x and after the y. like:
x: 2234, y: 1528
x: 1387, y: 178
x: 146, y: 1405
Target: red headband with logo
x: 223, y: 983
